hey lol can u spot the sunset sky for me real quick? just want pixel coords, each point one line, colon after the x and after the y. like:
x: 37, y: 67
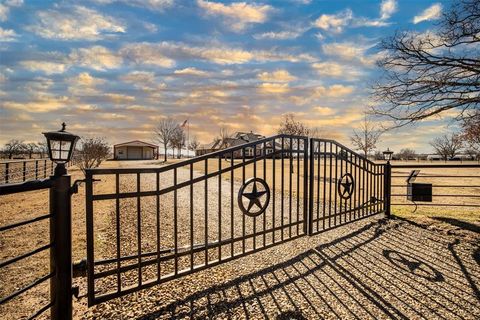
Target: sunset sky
x: 114, y: 68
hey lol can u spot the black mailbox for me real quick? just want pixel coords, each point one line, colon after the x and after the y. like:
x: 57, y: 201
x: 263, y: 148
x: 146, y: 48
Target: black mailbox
x: 418, y: 192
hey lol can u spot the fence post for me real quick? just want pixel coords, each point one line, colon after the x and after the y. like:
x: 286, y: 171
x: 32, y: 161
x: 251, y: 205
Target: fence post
x: 61, y: 251
x: 387, y: 185
x: 6, y: 172
x: 310, y: 191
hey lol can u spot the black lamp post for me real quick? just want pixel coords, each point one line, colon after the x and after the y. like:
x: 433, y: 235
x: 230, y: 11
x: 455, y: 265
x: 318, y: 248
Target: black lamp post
x: 61, y: 145
x: 387, y: 154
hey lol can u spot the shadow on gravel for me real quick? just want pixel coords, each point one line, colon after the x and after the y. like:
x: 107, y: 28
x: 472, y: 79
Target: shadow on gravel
x: 385, y: 269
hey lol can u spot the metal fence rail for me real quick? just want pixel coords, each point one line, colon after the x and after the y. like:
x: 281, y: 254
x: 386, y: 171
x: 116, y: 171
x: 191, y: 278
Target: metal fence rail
x: 446, y: 192
x: 175, y: 220
x: 15, y: 171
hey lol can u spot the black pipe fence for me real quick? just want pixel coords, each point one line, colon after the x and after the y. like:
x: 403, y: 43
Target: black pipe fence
x: 21, y: 170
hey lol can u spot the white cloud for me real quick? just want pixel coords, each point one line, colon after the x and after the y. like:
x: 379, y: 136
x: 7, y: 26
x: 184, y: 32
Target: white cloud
x: 237, y: 15
x: 336, y: 70
x: 7, y: 35
x: 146, y: 53
x: 96, y: 57
x: 192, y: 71
x: 431, y: 13
x: 270, y: 87
x: 45, y: 66
x: 154, y: 5
x: 334, y: 22
x: 138, y: 77
x: 355, y: 52
x: 387, y: 8
x: 276, y: 76
x: 77, y: 23
x: 4, y: 12
x: 165, y: 53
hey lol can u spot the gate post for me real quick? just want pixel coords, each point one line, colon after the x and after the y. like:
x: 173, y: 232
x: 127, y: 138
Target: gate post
x: 387, y: 186
x: 61, y: 251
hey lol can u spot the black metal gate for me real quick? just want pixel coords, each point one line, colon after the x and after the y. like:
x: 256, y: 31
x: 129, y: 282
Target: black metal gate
x: 344, y: 186
x: 150, y: 225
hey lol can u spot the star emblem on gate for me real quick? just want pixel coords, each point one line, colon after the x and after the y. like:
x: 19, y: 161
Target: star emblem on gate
x: 257, y: 197
x: 346, y: 186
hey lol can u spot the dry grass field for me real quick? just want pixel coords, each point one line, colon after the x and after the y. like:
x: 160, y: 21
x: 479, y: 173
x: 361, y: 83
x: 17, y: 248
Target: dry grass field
x: 444, y: 223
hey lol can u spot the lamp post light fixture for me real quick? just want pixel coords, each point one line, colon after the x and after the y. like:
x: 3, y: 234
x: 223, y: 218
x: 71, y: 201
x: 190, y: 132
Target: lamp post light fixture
x: 387, y: 154
x: 61, y: 145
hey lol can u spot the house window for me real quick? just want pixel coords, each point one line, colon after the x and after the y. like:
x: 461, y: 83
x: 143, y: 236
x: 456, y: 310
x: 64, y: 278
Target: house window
x: 120, y: 152
x: 249, y: 152
x: 269, y: 151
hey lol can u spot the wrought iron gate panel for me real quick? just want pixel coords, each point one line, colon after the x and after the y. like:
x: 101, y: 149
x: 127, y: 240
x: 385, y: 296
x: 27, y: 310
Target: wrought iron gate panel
x: 150, y: 225
x: 344, y: 186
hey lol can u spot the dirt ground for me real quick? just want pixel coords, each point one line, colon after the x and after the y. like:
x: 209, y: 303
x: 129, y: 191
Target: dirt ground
x: 422, y: 264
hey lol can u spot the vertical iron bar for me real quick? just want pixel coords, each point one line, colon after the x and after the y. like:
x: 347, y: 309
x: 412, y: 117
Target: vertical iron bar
x: 290, y: 171
x: 158, y: 227
x: 255, y: 177
x: 90, y: 237
x: 45, y: 168
x: 117, y: 229
x: 324, y: 181
x: 265, y: 179
x: 330, y: 188
x: 7, y: 173
x: 305, y: 184
x: 342, y: 155
x: 335, y: 210
x: 36, y: 169
x: 220, y: 208
x: 298, y: 185
x: 283, y: 177
x: 232, y: 230
x: 24, y: 170
x: 243, y: 216
x: 191, y: 218
x: 206, y: 212
x: 312, y: 180
x: 363, y: 186
x: 273, y: 189
x: 319, y: 176
x: 175, y: 219
x: 139, y: 232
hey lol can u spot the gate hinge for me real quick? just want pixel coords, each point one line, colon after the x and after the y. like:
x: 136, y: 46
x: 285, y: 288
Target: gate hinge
x: 80, y: 268
x: 76, y: 183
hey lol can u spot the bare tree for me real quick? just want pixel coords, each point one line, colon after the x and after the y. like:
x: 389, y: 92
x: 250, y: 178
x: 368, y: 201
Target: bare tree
x: 366, y: 138
x: 407, y: 154
x: 428, y: 73
x: 447, y: 146
x: 224, y: 137
x: 178, y: 141
x: 164, y: 133
x: 13, y: 147
x: 290, y: 126
x: 194, y: 144
x: 42, y: 148
x: 92, y: 152
x: 471, y: 131
x: 31, y: 148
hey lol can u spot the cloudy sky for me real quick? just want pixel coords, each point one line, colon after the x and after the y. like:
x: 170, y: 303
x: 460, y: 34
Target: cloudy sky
x: 114, y: 68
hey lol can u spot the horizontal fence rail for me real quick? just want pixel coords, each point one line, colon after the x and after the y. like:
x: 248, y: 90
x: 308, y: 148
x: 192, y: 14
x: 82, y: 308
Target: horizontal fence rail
x: 157, y: 224
x: 453, y: 185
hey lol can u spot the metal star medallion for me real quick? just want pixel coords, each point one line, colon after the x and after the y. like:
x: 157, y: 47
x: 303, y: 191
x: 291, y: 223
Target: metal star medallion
x: 254, y: 197
x: 346, y: 185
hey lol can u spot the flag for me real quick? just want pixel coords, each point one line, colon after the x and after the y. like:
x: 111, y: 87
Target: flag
x: 184, y: 124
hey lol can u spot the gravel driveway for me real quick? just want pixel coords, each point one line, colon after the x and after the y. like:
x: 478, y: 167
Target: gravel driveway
x: 373, y: 268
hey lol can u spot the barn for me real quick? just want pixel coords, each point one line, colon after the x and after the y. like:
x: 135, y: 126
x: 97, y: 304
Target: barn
x: 135, y: 150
